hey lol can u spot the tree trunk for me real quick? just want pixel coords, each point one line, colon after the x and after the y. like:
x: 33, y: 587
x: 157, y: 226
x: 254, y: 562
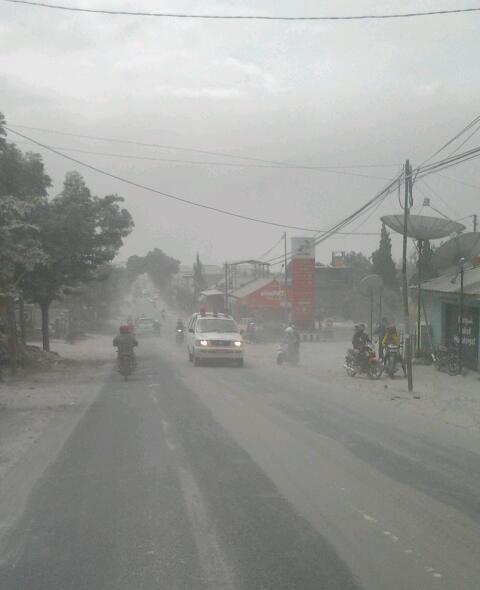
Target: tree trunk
x: 12, y: 336
x: 45, y: 326
x: 23, y: 332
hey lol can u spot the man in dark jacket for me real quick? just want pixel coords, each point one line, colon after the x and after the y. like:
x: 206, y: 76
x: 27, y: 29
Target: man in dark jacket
x: 125, y: 341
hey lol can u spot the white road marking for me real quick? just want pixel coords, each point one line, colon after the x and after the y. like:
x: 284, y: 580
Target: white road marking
x: 369, y: 518
x: 165, y: 429
x: 218, y: 575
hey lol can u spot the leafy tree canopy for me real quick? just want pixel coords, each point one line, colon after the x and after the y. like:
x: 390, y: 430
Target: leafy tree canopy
x: 79, y: 233
x: 382, y: 261
x: 159, y: 266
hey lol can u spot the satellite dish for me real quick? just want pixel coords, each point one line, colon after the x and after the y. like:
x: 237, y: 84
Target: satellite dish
x: 423, y: 227
x: 370, y: 284
x: 448, y: 255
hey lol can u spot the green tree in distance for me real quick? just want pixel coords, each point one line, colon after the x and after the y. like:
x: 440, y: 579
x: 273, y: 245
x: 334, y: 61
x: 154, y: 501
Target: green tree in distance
x: 159, y: 266
x: 382, y: 261
x: 199, y: 280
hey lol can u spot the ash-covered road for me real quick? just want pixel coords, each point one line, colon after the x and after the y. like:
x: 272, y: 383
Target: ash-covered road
x: 258, y: 478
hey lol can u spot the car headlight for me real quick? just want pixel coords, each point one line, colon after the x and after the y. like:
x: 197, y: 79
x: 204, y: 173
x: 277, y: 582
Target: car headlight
x: 237, y: 343
x: 202, y: 342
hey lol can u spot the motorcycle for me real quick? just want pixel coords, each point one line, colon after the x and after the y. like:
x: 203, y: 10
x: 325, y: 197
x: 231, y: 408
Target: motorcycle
x: 446, y: 358
x: 391, y: 360
x: 286, y: 353
x: 366, y: 365
x: 125, y: 364
x: 179, y: 336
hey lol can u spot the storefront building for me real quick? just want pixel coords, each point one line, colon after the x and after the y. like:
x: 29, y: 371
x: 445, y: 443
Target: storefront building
x: 443, y: 296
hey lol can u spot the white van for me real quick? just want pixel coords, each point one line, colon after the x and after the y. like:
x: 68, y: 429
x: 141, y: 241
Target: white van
x: 214, y: 336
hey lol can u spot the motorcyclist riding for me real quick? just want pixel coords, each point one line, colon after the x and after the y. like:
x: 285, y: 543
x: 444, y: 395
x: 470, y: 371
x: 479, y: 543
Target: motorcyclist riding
x: 125, y: 342
x: 360, y: 341
x: 392, y: 337
x: 180, y: 325
x: 292, y: 338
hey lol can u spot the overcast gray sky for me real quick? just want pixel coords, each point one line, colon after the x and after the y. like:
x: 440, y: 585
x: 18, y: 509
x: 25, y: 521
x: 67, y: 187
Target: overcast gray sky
x: 319, y: 93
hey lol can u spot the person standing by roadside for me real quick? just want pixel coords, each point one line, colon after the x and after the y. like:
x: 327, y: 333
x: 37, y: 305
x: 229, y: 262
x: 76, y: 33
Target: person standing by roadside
x: 380, y: 332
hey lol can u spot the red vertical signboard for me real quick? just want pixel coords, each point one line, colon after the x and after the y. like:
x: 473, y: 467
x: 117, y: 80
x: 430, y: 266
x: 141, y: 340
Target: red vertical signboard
x: 302, y: 292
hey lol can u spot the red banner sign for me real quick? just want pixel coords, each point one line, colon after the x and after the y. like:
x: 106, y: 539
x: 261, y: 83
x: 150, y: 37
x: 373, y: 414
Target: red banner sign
x: 302, y: 295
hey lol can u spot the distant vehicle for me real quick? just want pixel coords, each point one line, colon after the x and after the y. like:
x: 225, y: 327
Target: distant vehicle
x: 446, y: 358
x: 391, y: 360
x: 367, y: 365
x: 179, y: 336
x: 214, y: 336
x: 144, y: 326
x: 287, y: 354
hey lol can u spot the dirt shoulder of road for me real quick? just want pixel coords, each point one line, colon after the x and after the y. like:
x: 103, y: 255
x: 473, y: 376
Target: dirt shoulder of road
x: 36, y: 401
x: 451, y: 400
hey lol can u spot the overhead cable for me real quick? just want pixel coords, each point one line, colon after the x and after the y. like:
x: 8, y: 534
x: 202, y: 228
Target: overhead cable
x: 326, y: 169
x: 453, y: 139
x: 193, y: 150
x: 156, y: 191
x: 260, y: 17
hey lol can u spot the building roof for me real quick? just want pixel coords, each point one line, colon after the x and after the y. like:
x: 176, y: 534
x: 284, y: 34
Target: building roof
x: 210, y: 292
x: 444, y: 284
x: 251, y: 287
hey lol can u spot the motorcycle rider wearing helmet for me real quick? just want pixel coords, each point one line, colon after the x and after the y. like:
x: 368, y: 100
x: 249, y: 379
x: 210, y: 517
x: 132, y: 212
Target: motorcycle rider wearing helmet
x: 392, y: 337
x: 360, y: 341
x: 125, y: 341
x: 180, y: 325
x: 292, y: 338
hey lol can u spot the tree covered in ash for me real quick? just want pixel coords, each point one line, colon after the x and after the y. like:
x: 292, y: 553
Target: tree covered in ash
x: 50, y: 245
x: 79, y: 234
x: 159, y: 266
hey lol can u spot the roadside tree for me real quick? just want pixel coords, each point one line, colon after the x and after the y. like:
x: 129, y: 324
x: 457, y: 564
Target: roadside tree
x: 79, y: 233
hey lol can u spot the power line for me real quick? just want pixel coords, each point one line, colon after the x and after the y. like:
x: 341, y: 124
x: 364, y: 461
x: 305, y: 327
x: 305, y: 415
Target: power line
x: 193, y: 150
x: 326, y: 169
x: 168, y: 195
x: 453, y: 139
x: 476, y: 186
x: 465, y: 140
x: 335, y: 229
x: 242, y: 16
x: 156, y: 191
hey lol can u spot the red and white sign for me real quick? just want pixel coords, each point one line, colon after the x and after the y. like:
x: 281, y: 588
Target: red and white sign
x: 302, y: 270
x: 270, y: 296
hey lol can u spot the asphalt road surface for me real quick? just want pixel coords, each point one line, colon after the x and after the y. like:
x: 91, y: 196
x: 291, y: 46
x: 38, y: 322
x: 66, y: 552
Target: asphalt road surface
x: 261, y: 478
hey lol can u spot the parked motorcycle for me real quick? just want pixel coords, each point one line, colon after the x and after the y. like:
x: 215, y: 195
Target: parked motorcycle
x: 289, y: 354
x: 368, y: 365
x: 391, y: 360
x: 125, y: 364
x: 446, y: 358
x: 179, y: 336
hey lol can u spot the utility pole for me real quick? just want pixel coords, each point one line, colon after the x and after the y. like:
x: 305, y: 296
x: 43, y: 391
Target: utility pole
x: 406, y: 319
x: 285, y: 275
x: 475, y: 222
x: 419, y: 296
x: 226, y: 288
x: 460, y: 320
